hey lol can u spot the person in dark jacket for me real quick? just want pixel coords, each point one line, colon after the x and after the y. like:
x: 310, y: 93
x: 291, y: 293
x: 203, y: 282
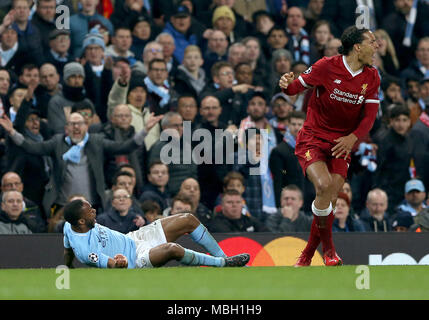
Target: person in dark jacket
x: 178, y: 171
x: 284, y: 164
x: 231, y: 219
x: 120, y: 216
x: 419, y: 135
x: 396, y: 23
x: 34, y: 169
x: 375, y: 217
x: 156, y: 188
x: 77, y: 158
x: 120, y: 129
x: 31, y: 213
x: 29, y: 37
x: 44, y: 20
x: 394, y: 156
x: 344, y: 221
x: 11, y: 219
x: 290, y: 217
x: 190, y: 78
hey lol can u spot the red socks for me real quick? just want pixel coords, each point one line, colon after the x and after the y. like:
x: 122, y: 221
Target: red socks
x: 321, y: 231
x: 325, y: 231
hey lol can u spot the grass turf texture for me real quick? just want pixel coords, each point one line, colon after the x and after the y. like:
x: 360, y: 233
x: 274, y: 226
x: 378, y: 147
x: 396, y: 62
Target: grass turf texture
x: 194, y: 283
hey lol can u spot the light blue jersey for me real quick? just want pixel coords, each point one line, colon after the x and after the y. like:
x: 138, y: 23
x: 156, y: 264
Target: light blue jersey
x: 96, y: 246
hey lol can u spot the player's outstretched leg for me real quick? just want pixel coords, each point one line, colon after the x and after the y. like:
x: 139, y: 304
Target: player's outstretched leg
x: 164, y: 253
x: 179, y: 224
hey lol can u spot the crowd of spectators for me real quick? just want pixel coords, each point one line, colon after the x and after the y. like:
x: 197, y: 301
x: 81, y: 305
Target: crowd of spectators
x: 90, y: 89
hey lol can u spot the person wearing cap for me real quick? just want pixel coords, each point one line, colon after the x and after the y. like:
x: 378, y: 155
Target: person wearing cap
x: 281, y: 106
x: 73, y: 91
x: 402, y: 222
x: 283, y: 162
x: 58, y: 53
x: 130, y: 89
x: 344, y: 221
x: 33, y: 169
x: 141, y: 29
x: 16, y: 96
x: 98, y: 71
x: 180, y: 27
x: 79, y: 25
x: 414, y: 197
x: 224, y: 20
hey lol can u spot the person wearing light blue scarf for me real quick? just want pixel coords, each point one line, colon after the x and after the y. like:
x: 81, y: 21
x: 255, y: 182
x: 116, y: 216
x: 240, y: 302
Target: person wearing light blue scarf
x: 74, y: 153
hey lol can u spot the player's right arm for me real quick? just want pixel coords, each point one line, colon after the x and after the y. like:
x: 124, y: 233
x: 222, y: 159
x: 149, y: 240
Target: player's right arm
x: 312, y: 77
x: 119, y: 261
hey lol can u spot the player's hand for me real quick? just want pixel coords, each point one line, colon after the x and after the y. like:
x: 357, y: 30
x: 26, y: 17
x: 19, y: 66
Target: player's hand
x: 120, y: 261
x: 286, y: 80
x: 344, y: 146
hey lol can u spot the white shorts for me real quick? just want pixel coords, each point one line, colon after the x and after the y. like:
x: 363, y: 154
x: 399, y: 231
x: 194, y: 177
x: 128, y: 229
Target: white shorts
x: 146, y: 238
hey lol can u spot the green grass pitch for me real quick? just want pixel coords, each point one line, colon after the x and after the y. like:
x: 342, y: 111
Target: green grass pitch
x: 194, y: 283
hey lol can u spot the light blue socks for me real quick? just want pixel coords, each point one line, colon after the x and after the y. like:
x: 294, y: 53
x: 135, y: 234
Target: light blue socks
x: 193, y: 258
x: 201, y: 236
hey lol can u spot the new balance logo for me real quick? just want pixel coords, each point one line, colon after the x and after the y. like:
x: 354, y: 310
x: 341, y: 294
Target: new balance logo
x: 337, y: 81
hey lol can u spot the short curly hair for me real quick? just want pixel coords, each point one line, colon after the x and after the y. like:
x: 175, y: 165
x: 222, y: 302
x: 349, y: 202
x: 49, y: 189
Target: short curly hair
x: 351, y: 36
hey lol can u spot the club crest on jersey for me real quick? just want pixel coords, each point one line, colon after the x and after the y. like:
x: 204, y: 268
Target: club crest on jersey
x: 307, y: 71
x: 308, y: 155
x: 364, y: 86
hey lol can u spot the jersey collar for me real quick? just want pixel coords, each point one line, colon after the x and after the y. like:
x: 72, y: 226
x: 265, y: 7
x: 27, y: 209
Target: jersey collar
x: 353, y: 74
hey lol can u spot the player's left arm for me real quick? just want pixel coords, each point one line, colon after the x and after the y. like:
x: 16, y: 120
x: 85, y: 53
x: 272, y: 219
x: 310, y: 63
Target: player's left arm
x: 68, y: 257
x: 371, y: 103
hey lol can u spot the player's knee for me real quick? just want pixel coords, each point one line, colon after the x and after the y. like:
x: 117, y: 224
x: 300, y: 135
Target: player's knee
x: 174, y: 250
x: 323, y: 186
x: 190, y: 219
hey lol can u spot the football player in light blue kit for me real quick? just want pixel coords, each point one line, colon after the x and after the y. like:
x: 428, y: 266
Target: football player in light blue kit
x: 150, y: 246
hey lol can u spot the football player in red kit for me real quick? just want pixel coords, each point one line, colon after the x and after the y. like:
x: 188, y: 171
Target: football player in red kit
x: 341, y: 110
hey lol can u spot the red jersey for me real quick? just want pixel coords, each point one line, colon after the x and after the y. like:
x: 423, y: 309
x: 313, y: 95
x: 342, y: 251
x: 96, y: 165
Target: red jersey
x: 342, y: 102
